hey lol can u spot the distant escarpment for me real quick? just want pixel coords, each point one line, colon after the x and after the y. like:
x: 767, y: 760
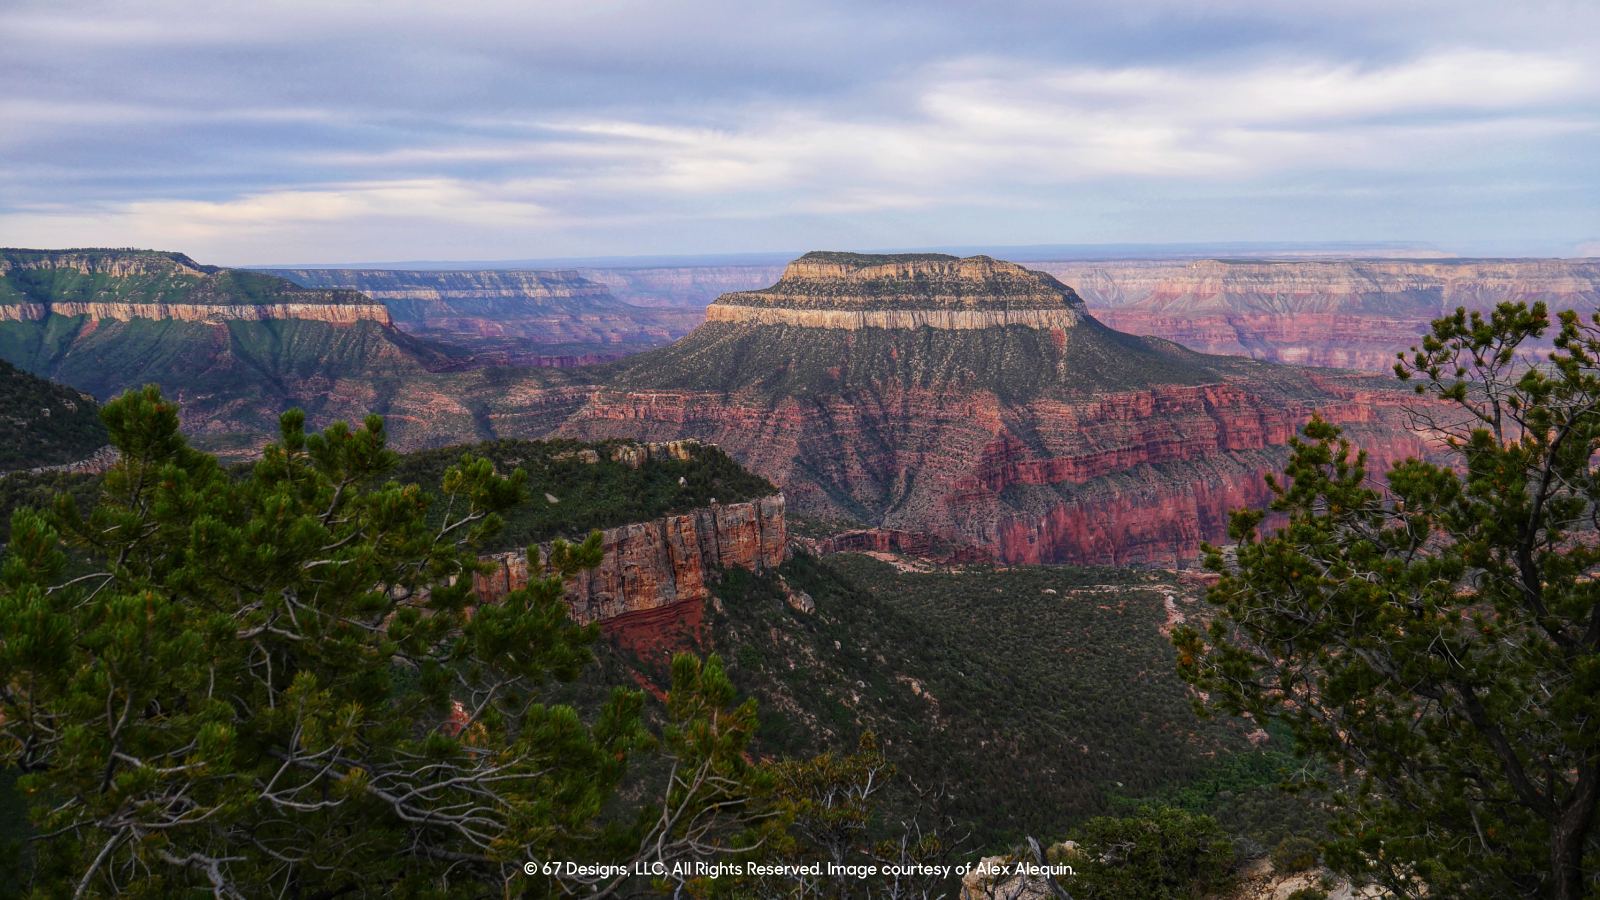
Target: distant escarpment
x: 144, y: 284
x: 510, y: 316
x: 686, y: 287
x: 1058, y: 441
x: 234, y: 347
x: 1346, y: 313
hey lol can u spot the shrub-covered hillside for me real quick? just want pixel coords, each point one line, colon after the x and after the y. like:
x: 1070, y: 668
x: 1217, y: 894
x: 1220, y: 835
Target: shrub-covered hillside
x: 1041, y: 695
x: 590, y: 489
x: 43, y: 423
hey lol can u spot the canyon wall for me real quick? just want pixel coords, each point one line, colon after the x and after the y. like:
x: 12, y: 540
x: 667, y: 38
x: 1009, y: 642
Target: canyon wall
x: 510, y: 317
x: 652, y: 565
x: 214, y: 314
x: 689, y: 287
x: 1124, y: 477
x: 113, y: 263
x: 1344, y: 313
x: 1056, y: 440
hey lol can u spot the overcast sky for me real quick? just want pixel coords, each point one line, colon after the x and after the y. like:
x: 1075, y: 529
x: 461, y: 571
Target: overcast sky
x: 329, y: 131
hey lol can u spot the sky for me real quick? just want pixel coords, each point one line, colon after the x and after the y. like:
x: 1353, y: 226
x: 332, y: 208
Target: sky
x: 325, y: 131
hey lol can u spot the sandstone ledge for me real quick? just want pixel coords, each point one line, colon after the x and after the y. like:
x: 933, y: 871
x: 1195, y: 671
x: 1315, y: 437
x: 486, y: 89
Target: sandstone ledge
x: 335, y: 313
x: 855, y: 320
x: 649, y: 565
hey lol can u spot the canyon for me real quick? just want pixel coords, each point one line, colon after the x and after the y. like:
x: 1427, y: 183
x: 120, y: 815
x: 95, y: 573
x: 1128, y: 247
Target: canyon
x: 1346, y: 313
x: 213, y: 314
x: 511, y: 317
x: 972, y: 399
x: 1047, y: 439
x: 235, y: 348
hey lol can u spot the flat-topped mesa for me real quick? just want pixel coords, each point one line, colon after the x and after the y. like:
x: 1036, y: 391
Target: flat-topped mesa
x: 101, y: 261
x: 147, y: 284
x: 904, y: 290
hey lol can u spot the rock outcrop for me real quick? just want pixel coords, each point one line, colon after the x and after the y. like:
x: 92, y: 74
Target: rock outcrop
x: 923, y: 282
x: 1346, y: 313
x: 651, y: 565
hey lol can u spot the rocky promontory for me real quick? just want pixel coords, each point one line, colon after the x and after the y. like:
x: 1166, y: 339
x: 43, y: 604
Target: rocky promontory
x: 651, y: 565
x: 852, y: 291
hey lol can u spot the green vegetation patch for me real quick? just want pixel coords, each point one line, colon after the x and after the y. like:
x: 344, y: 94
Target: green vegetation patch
x: 144, y: 276
x: 43, y: 423
x: 1039, y: 710
x: 591, y: 494
x: 1012, y: 362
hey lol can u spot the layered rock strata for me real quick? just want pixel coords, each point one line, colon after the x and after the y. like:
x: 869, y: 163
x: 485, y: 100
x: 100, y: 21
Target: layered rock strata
x: 906, y: 281
x: 651, y: 565
x: 332, y: 313
x: 685, y: 287
x: 235, y: 348
x: 512, y: 312
x: 1346, y: 313
x: 1070, y: 443
x: 854, y: 319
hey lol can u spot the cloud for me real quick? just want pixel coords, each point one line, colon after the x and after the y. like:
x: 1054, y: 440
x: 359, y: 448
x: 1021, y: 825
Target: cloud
x: 311, y: 128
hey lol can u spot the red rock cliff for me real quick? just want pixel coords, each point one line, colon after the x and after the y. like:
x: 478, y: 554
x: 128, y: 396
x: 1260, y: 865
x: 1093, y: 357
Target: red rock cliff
x: 650, y: 565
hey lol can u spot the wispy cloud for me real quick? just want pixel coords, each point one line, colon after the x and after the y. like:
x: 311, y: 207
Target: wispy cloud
x: 320, y: 131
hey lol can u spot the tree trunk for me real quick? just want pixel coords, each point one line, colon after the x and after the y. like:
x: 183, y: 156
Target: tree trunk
x: 1568, y: 836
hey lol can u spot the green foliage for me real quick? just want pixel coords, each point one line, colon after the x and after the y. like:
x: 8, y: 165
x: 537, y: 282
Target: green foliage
x: 45, y: 276
x: 142, y: 276
x: 1158, y: 854
x: 833, y: 804
x: 1029, y: 707
x: 1440, y: 640
x: 43, y: 423
x: 591, y: 495
x: 1294, y: 854
x: 276, y: 685
x: 1242, y: 791
x: 24, y: 490
x: 1308, y: 893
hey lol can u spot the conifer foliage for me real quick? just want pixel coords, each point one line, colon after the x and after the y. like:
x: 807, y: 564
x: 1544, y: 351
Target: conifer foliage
x: 1440, y: 639
x: 278, y: 686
